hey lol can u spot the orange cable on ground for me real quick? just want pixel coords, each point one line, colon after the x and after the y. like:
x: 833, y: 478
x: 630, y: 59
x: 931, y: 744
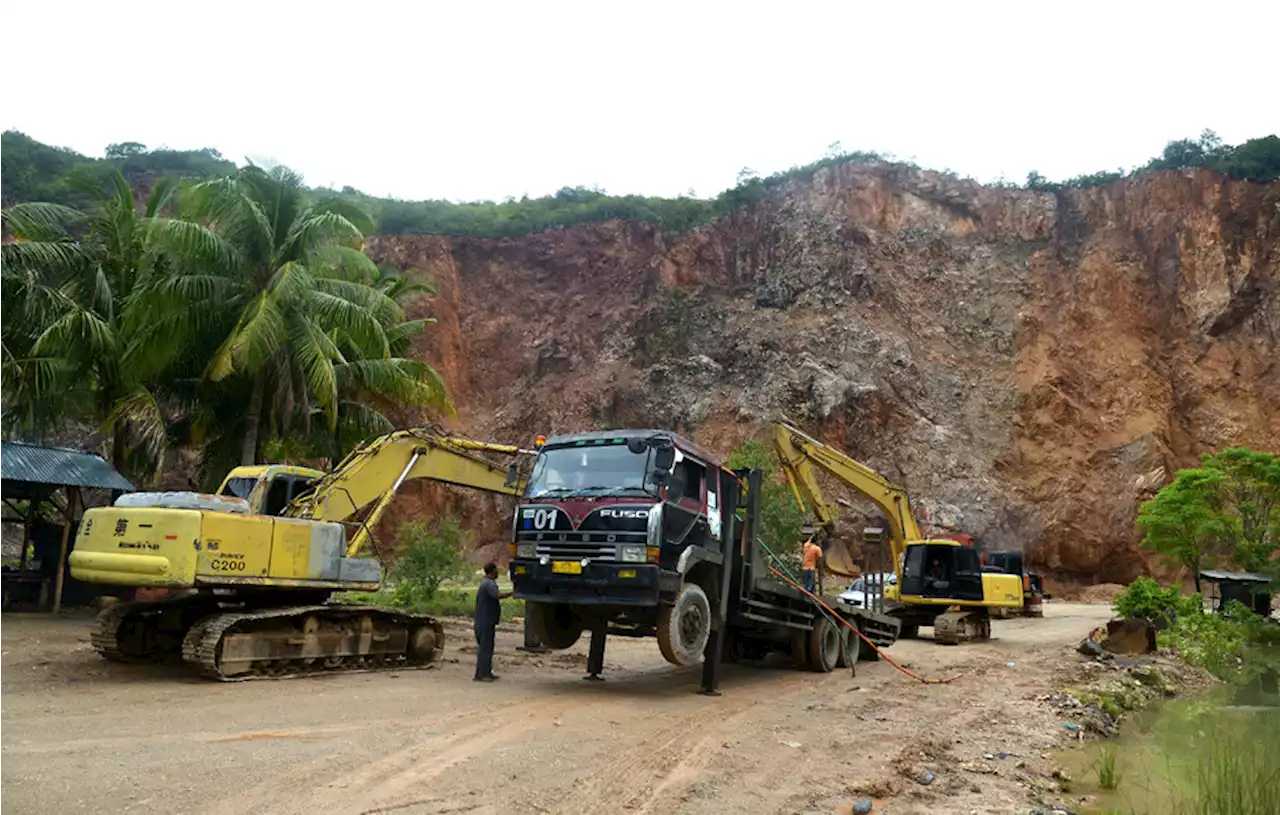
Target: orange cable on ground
x: 855, y: 630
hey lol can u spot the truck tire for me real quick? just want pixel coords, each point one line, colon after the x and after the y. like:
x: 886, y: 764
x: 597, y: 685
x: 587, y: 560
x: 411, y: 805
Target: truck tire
x: 848, y: 648
x: 863, y: 649
x: 825, y: 645
x: 685, y: 626
x: 555, y: 625
x: 800, y: 650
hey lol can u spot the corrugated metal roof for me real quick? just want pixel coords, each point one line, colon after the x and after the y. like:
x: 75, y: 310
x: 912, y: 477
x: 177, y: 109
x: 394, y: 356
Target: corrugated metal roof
x: 20, y: 461
x: 1234, y: 577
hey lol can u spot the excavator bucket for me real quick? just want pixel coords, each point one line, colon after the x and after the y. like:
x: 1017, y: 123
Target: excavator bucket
x: 837, y: 558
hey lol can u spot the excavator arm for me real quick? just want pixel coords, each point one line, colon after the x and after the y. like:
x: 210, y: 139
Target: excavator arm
x: 362, y: 487
x: 799, y: 454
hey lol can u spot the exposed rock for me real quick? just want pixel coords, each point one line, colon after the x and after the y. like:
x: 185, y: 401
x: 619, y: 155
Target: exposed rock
x: 1030, y: 366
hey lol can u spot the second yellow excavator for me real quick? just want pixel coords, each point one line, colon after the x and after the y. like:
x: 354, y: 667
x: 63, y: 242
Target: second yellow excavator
x: 934, y: 576
x: 249, y: 570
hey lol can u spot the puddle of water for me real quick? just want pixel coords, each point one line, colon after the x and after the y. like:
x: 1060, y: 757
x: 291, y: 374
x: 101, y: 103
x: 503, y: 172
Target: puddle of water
x: 1203, y: 756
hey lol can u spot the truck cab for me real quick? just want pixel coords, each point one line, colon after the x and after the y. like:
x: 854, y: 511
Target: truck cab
x: 612, y: 527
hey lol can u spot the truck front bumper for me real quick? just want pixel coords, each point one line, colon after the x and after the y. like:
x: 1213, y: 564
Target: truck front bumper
x: 614, y: 584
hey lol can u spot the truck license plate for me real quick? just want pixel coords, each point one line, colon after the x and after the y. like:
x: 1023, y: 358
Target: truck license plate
x: 566, y: 567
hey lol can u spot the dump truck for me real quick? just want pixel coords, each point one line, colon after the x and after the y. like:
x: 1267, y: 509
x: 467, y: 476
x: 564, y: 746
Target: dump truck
x: 642, y: 533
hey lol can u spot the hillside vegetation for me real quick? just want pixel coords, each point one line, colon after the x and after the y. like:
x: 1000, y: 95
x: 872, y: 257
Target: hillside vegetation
x: 33, y: 171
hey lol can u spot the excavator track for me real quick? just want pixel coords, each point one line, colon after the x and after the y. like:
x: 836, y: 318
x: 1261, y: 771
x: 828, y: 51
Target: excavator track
x: 955, y: 627
x: 106, y: 634
x: 296, y: 641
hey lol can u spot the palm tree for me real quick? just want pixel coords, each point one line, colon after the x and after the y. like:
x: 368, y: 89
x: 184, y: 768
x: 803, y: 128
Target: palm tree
x: 308, y: 333
x: 78, y: 340
x: 37, y: 262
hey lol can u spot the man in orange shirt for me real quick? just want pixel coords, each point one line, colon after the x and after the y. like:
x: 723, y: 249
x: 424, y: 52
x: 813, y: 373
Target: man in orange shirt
x: 809, y: 569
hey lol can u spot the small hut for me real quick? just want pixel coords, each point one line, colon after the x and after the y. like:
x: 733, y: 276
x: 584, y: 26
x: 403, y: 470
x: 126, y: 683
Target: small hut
x: 33, y: 480
x: 1250, y: 588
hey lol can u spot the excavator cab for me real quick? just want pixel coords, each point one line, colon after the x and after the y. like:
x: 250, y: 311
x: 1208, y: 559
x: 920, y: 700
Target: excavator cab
x: 269, y: 488
x: 940, y: 570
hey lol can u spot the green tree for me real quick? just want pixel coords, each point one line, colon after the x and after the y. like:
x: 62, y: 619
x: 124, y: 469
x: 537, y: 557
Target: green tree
x: 781, y: 522
x: 1227, y: 507
x: 429, y: 555
x: 78, y: 333
x: 309, y: 334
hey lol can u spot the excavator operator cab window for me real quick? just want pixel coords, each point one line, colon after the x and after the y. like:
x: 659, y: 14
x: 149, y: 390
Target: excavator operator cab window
x: 282, y: 491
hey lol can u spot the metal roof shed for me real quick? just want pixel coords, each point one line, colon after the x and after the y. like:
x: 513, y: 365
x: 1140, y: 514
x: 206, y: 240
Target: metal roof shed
x: 34, y: 474
x: 1250, y: 588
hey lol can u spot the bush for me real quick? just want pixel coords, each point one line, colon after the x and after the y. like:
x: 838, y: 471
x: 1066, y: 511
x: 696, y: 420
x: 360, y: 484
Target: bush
x: 781, y: 522
x: 1145, y: 598
x: 429, y: 555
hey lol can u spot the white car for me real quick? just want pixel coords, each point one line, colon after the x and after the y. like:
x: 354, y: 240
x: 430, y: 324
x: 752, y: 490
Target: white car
x: 856, y: 594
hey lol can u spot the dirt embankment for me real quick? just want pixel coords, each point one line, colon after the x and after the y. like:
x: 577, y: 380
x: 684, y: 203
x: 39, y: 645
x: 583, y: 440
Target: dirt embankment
x: 1030, y: 365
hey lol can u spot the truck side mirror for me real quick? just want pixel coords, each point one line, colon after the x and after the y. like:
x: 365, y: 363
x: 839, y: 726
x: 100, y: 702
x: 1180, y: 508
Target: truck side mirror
x: 513, y: 474
x: 664, y: 458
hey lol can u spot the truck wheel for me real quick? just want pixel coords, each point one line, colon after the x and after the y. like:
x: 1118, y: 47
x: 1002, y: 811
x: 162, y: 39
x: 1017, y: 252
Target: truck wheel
x: 824, y: 646
x: 800, y: 650
x: 863, y: 649
x: 555, y: 626
x: 683, y: 628
x: 848, y: 648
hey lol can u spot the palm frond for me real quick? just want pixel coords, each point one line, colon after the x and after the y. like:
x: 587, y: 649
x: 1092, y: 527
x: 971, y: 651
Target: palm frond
x: 161, y: 194
x: 315, y: 229
x: 258, y: 336
x: 350, y: 210
x: 400, y: 335
x: 384, y: 309
x: 145, y: 419
x: 185, y: 239
x: 356, y: 323
x: 315, y: 355
x: 403, y: 381
x: 335, y: 260
x: 46, y: 257
x: 39, y: 221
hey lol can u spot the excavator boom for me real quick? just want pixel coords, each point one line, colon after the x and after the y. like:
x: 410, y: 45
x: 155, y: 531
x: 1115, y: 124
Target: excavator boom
x: 933, y: 575
x: 365, y: 482
x: 799, y: 453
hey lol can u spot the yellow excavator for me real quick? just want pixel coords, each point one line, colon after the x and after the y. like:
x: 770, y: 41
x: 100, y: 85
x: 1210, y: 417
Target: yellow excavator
x: 940, y: 582
x: 250, y: 569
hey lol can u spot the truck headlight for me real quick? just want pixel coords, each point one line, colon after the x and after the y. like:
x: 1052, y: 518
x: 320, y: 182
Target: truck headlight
x: 633, y: 554
x: 525, y: 550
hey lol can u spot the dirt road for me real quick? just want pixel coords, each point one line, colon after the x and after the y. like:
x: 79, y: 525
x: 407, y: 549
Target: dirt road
x: 80, y: 734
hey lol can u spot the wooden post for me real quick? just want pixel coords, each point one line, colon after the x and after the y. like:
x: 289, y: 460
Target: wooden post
x: 32, y: 507
x: 73, y: 497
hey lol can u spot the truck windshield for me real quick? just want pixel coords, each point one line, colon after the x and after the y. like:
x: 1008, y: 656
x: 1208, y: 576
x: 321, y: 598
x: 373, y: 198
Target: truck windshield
x: 596, y: 470
x: 239, y: 487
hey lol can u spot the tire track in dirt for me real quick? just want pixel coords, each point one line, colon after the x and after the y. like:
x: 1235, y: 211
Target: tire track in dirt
x: 642, y: 775
x: 331, y: 785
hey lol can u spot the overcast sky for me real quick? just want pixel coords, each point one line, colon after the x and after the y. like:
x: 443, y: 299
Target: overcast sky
x: 471, y: 99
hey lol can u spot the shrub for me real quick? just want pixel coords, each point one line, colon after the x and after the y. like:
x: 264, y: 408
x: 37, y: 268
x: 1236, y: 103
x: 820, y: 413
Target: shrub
x: 1145, y: 598
x: 429, y: 555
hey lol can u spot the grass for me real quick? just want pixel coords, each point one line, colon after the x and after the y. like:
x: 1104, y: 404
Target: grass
x: 452, y: 599
x: 1108, y: 774
x: 1237, y: 771
x: 1192, y: 757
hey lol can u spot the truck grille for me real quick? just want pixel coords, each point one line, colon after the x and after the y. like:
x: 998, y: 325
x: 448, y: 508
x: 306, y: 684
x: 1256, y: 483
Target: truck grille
x: 578, y: 551
x: 580, y: 545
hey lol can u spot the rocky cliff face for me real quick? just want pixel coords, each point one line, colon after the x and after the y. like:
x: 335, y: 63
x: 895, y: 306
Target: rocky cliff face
x: 1031, y: 366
